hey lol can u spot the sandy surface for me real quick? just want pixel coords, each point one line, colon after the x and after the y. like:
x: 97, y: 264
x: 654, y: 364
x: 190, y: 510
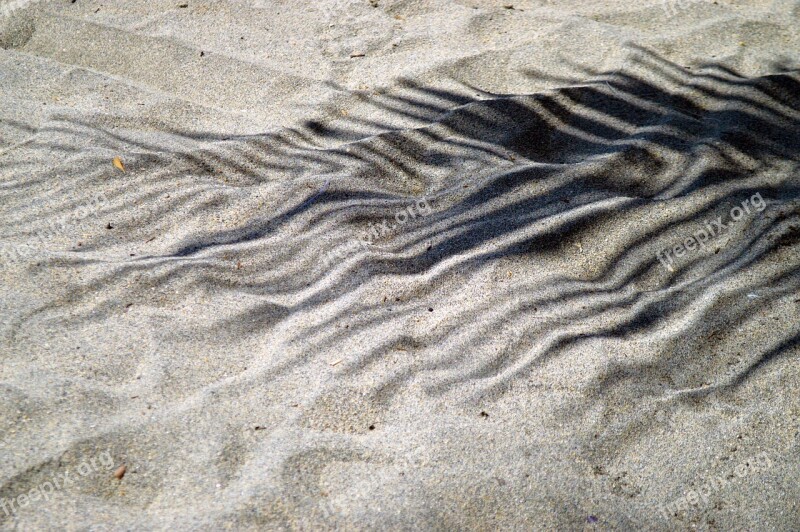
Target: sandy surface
x: 395, y: 264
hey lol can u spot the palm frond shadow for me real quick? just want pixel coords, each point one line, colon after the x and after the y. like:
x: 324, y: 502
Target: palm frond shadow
x: 646, y: 155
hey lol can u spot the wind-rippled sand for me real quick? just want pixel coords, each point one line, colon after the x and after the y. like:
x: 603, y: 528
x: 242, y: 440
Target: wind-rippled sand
x: 401, y: 264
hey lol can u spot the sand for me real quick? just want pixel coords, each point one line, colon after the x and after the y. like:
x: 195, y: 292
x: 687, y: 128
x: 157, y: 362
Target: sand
x: 400, y: 264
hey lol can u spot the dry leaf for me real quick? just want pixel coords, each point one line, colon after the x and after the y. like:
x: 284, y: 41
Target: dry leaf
x: 118, y: 163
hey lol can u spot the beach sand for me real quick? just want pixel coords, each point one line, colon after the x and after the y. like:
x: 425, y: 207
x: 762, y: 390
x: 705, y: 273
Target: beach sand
x: 400, y: 264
